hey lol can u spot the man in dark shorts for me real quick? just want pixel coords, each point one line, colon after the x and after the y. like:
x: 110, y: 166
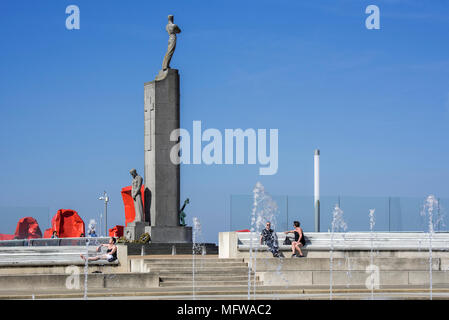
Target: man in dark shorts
x: 269, y: 237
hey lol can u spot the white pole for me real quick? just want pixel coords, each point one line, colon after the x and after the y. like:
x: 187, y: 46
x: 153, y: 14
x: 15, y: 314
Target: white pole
x: 317, y: 189
x: 106, y: 200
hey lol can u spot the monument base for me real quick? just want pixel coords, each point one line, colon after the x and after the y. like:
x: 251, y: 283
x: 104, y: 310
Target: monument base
x: 167, y: 234
x: 134, y: 230
x: 162, y: 234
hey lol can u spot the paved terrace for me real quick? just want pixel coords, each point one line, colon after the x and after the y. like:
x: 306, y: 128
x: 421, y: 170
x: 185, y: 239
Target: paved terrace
x: 402, y: 260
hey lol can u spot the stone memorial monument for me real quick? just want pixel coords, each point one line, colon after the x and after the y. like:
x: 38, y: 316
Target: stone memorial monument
x: 162, y: 177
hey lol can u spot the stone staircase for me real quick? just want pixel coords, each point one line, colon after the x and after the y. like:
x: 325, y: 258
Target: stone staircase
x: 200, y: 272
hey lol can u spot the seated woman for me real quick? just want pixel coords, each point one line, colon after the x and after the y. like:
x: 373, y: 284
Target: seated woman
x: 299, y: 239
x: 111, y: 253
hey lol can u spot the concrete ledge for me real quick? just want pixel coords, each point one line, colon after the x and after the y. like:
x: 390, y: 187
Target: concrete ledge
x: 357, y: 278
x: 65, y: 261
x: 344, y: 264
x: 356, y: 240
x: 339, y: 278
x: 57, y: 269
x: 76, y: 281
x: 44, y: 242
x: 54, y: 259
x: 286, y: 278
x: 443, y: 255
x: 352, y: 278
x: 360, y: 244
x: 423, y: 278
x: 227, y: 245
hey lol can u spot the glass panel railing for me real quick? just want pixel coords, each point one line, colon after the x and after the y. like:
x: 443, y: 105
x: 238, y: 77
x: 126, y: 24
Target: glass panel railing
x: 242, y: 206
x: 395, y: 214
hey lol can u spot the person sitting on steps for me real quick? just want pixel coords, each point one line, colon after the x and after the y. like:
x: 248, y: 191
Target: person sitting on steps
x: 111, y: 253
x: 269, y: 237
x: 299, y: 239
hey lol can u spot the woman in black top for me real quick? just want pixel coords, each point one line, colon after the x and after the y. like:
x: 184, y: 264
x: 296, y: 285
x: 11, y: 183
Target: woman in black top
x: 299, y: 239
x: 111, y: 253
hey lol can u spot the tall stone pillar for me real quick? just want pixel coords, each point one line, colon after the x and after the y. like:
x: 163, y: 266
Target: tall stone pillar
x: 162, y: 177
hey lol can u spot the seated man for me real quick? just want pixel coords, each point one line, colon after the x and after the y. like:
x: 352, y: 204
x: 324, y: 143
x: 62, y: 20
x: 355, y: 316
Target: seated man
x: 111, y: 253
x: 270, y: 238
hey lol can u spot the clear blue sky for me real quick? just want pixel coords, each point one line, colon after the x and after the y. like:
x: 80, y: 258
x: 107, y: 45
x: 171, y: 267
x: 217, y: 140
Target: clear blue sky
x: 375, y: 102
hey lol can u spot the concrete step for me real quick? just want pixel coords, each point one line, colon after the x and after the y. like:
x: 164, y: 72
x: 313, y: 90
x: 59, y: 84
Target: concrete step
x: 187, y: 273
x: 217, y: 270
x: 189, y: 264
x: 49, y: 263
x: 342, y: 264
x: 148, y: 282
x: 200, y: 277
x: 230, y: 293
x: 189, y: 260
x: 205, y: 283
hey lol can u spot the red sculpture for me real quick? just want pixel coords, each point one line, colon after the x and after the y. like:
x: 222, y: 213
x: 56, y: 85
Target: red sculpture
x: 67, y: 224
x: 128, y: 202
x: 6, y: 236
x: 116, y: 232
x: 48, y: 233
x: 27, y: 228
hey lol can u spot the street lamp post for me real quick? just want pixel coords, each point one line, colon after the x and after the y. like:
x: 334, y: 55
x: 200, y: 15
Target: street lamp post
x: 105, y: 198
x: 317, y: 189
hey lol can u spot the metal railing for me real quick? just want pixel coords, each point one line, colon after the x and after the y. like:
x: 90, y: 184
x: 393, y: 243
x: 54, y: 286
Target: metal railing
x: 42, y: 242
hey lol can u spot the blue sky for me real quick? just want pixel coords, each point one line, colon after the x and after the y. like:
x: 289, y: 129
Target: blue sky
x: 375, y: 102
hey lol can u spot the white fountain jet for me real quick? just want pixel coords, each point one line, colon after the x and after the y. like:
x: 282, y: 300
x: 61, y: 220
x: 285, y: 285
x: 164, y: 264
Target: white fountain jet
x: 430, y: 208
x: 338, y: 225
x: 196, y: 243
x: 264, y: 209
